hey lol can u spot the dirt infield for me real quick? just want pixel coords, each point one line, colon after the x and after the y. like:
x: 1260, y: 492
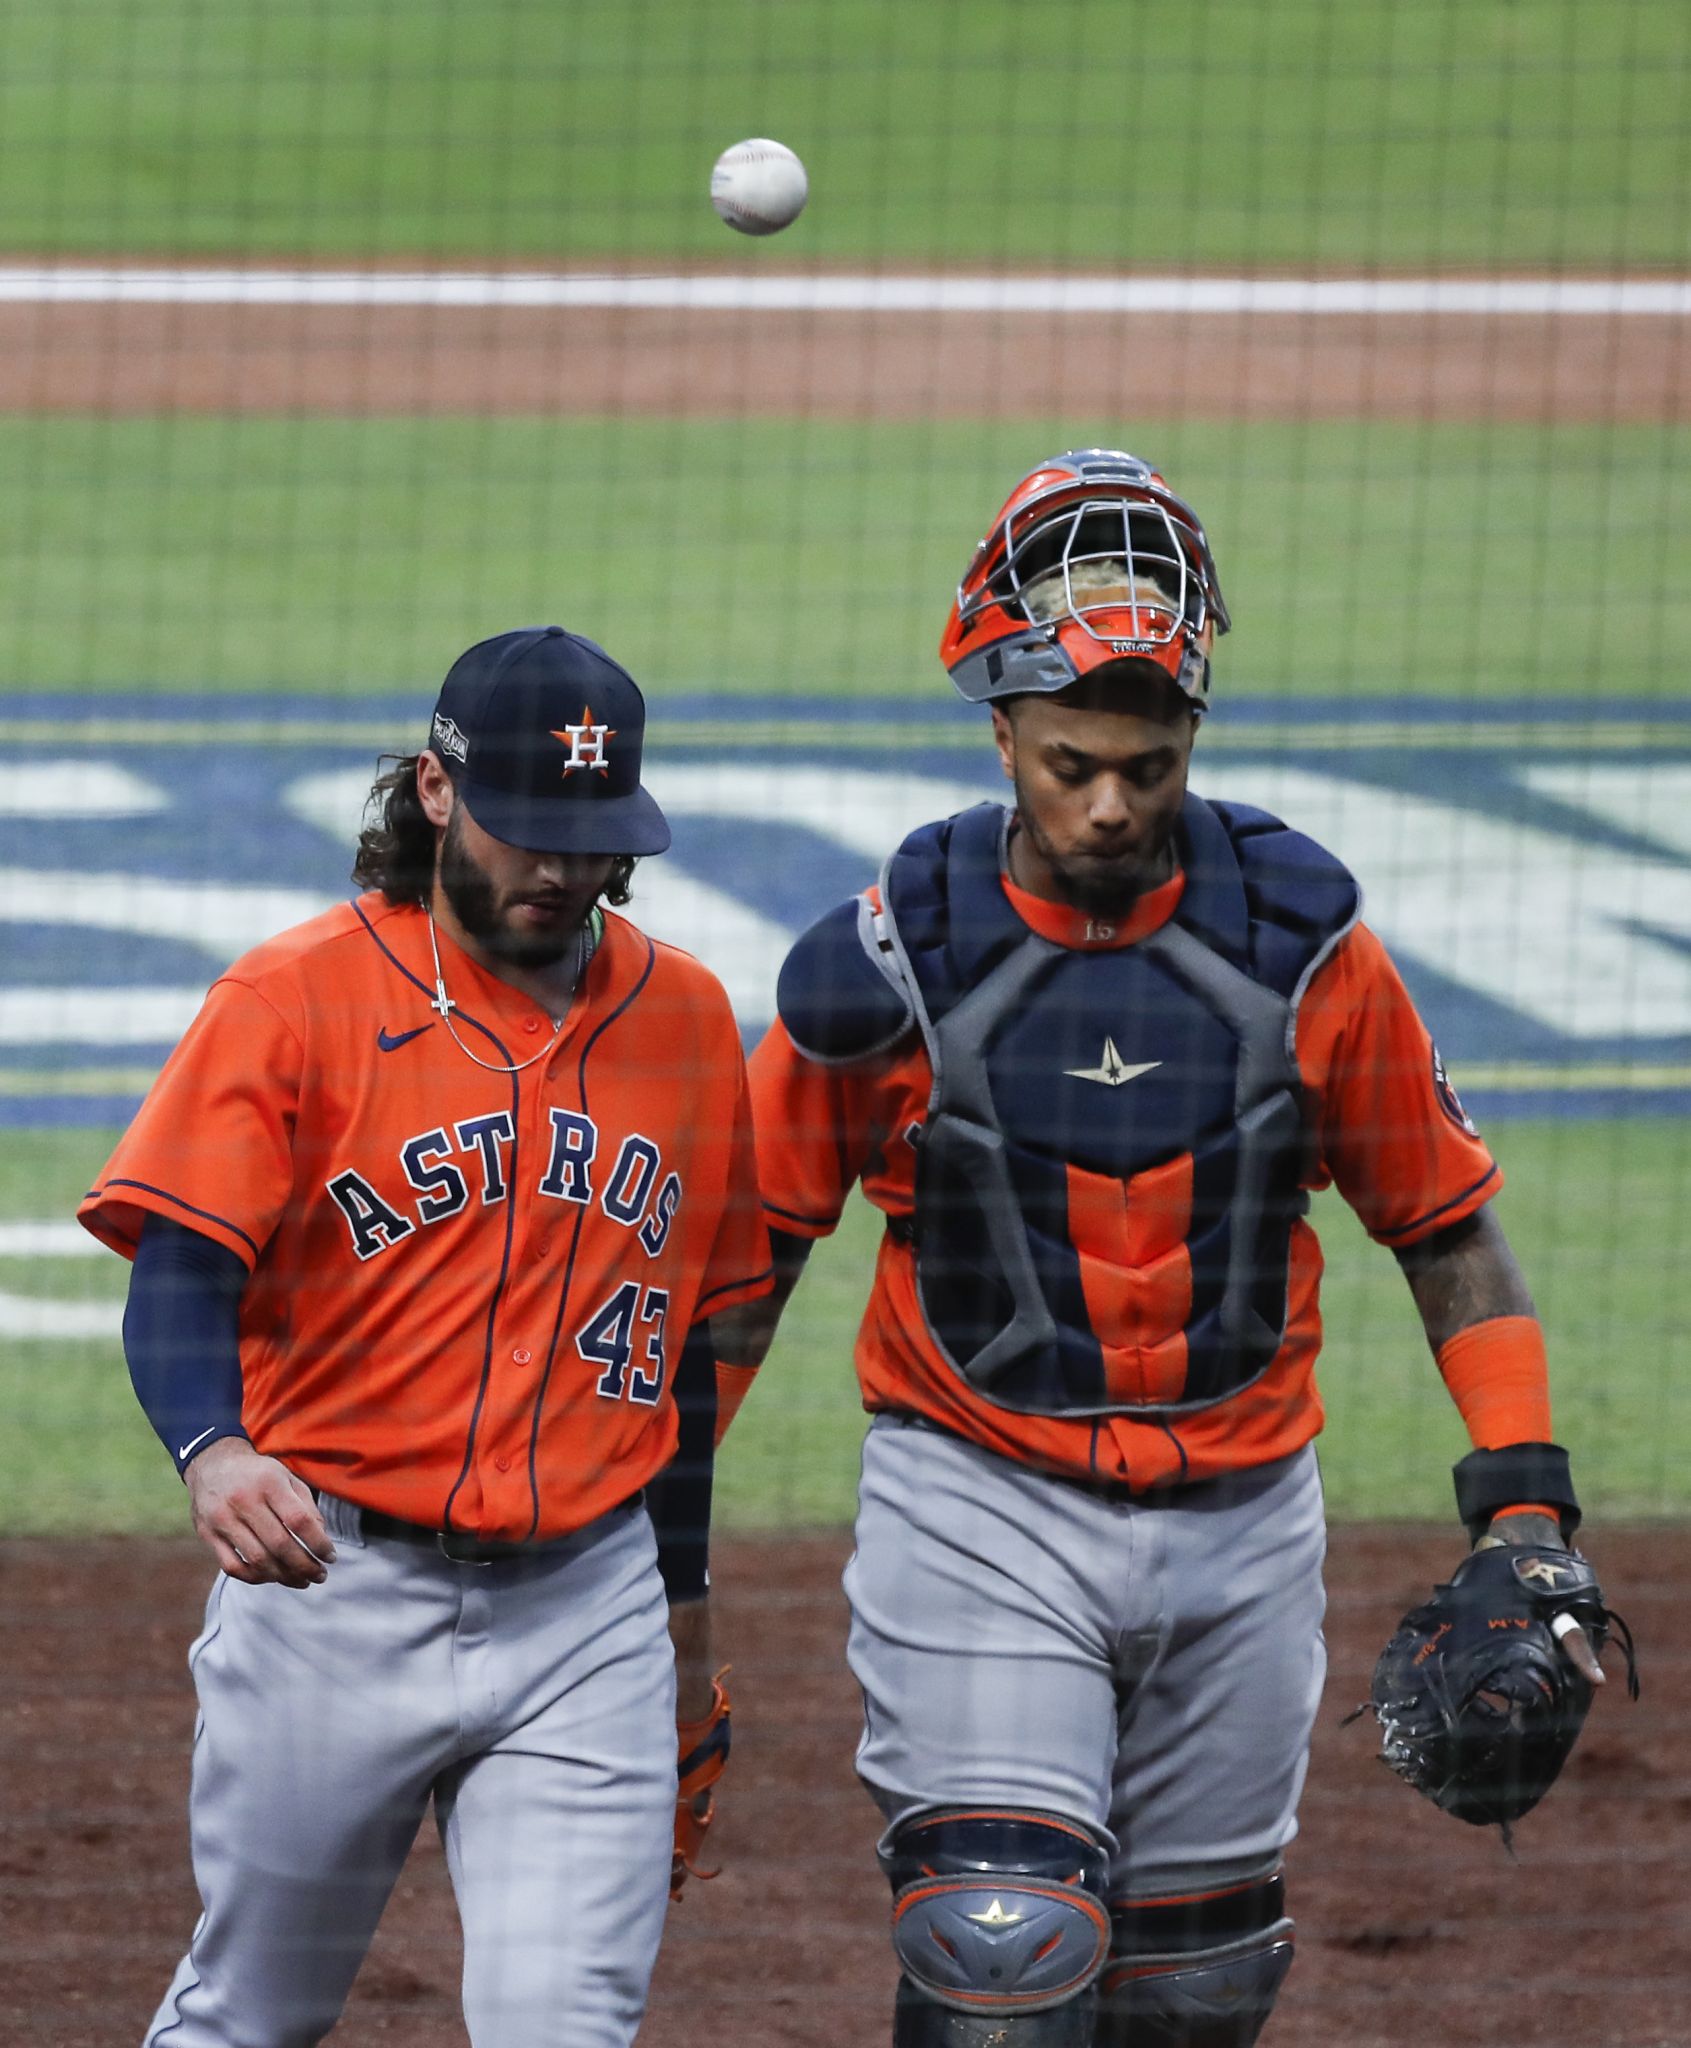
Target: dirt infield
x: 366, y: 360
x: 1412, y: 1927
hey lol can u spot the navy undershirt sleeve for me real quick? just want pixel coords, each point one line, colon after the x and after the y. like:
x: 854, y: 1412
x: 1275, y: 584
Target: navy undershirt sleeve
x: 679, y: 1498
x: 181, y: 1337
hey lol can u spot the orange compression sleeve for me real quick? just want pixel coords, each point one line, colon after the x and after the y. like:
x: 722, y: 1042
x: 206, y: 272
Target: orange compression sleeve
x: 1499, y: 1378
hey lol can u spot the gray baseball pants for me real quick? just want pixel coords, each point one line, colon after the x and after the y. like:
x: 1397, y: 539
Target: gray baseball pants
x: 533, y: 1700
x: 1149, y: 1668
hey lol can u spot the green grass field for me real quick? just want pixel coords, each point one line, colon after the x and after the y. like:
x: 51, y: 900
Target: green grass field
x: 1391, y: 133
x: 811, y: 559
x: 1596, y: 1211
x: 806, y: 558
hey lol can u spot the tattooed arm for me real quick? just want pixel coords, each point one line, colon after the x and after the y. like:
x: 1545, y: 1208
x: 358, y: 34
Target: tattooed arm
x: 1464, y: 1275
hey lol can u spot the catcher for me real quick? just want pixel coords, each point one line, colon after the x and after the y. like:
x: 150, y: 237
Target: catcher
x: 1089, y: 1055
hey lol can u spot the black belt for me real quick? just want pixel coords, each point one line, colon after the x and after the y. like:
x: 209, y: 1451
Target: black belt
x: 461, y: 1547
x: 453, y: 1543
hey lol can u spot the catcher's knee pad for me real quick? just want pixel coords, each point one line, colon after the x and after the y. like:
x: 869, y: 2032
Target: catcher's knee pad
x: 1199, y: 1971
x: 997, y: 1913
x: 919, y: 2023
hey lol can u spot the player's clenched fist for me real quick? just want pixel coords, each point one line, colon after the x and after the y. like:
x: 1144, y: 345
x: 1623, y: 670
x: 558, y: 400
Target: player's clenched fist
x: 257, y: 1519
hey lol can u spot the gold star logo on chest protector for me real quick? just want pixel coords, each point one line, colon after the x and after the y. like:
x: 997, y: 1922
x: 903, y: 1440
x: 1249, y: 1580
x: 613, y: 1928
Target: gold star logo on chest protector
x: 1112, y: 1070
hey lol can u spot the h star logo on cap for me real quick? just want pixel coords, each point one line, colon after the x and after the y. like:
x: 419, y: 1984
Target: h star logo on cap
x: 587, y: 743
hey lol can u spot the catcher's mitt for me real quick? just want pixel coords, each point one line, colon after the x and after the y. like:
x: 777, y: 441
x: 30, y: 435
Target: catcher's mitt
x: 1477, y: 1703
x: 702, y: 1758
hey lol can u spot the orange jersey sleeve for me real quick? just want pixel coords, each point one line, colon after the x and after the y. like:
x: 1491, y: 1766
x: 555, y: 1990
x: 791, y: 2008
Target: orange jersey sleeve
x: 821, y: 1129
x: 212, y: 1145
x: 1393, y: 1137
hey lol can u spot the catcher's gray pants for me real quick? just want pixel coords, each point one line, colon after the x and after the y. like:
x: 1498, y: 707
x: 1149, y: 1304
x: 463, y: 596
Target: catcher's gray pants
x: 1149, y: 1668
x: 532, y: 1699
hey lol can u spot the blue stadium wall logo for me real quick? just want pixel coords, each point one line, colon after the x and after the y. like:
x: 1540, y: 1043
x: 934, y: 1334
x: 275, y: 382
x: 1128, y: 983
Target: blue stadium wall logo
x: 1531, y: 873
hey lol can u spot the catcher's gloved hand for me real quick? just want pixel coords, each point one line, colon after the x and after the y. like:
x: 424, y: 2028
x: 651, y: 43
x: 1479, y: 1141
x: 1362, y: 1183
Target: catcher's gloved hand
x: 702, y: 1758
x: 1477, y: 1704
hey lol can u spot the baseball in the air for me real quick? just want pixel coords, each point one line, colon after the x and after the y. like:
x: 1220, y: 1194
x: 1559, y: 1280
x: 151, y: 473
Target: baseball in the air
x: 759, y: 186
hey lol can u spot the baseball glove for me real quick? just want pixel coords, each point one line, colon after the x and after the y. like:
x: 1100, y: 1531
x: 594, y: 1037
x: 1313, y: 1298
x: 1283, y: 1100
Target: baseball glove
x: 702, y: 1758
x: 1477, y: 1703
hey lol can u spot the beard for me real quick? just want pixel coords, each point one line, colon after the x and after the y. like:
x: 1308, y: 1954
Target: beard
x: 484, y: 912
x: 1102, y: 885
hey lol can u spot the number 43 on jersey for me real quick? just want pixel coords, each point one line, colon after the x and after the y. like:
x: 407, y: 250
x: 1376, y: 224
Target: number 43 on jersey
x: 626, y: 1337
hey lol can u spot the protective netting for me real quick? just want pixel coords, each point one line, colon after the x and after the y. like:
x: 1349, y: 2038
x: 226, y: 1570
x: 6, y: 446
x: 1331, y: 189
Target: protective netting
x: 338, y: 334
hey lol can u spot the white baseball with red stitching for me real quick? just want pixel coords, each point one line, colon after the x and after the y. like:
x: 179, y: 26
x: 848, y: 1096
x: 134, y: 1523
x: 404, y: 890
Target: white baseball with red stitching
x: 759, y: 186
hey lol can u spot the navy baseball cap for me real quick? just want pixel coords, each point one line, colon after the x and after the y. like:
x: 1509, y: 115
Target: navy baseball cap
x: 541, y: 732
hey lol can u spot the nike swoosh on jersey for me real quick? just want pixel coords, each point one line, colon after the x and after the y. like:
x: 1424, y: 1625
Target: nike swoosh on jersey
x: 1112, y: 1070
x: 200, y: 1439
x: 393, y: 1043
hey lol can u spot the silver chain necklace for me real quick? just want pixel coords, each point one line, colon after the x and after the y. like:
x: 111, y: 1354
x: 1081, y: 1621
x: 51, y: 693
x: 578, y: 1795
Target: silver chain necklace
x: 584, y: 945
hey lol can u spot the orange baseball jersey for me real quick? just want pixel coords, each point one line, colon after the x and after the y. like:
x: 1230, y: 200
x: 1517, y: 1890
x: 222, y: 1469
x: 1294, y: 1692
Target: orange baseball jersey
x: 467, y: 1287
x: 1388, y: 1130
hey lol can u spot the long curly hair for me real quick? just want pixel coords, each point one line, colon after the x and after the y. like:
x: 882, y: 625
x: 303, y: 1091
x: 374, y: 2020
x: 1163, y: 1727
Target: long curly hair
x: 396, y: 848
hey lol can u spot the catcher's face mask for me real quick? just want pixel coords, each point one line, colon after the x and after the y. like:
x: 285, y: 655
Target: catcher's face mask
x: 1092, y: 559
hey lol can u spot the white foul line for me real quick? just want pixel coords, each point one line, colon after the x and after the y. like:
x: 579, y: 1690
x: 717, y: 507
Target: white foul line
x: 47, y: 1238
x: 766, y: 292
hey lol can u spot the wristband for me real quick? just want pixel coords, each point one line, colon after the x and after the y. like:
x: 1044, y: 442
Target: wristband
x: 1489, y: 1480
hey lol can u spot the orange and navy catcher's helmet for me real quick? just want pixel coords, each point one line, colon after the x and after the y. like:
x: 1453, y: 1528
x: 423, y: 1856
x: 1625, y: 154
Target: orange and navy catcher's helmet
x: 1092, y: 559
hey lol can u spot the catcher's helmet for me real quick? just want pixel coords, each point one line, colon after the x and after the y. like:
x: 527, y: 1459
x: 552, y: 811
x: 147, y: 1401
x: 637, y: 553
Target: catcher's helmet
x: 1091, y: 559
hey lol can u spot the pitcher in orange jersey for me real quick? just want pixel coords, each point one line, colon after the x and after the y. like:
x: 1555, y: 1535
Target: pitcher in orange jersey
x: 429, y: 1213
x: 1089, y: 1056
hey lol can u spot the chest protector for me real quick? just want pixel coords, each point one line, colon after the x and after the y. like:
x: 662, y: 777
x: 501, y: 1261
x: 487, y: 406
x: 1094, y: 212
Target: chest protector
x: 1112, y: 1160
